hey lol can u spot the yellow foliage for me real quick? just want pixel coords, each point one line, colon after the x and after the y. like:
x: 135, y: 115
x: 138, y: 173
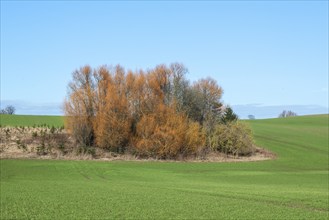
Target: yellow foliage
x: 232, y: 138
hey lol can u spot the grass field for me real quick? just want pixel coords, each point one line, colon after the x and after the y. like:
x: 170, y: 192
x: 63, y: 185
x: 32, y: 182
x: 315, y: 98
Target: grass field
x: 31, y: 120
x: 294, y: 186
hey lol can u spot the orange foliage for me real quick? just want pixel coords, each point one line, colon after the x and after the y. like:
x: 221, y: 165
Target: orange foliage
x: 167, y: 134
x: 143, y: 111
x: 112, y: 122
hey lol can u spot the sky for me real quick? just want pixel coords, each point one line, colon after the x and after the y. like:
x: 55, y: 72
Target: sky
x: 262, y: 53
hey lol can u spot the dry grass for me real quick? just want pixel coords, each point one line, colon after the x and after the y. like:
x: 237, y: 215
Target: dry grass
x: 24, y: 142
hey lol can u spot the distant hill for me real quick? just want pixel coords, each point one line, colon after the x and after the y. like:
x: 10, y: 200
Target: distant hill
x: 31, y: 120
x: 300, y: 142
x: 264, y: 111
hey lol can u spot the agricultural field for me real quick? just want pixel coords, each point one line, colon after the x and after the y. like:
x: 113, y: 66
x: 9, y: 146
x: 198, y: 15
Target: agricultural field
x: 293, y: 186
x: 31, y: 120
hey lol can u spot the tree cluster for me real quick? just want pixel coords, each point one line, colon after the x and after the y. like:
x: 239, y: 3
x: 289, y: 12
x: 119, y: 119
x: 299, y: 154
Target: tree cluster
x: 9, y: 110
x: 251, y: 117
x: 285, y: 114
x: 155, y: 113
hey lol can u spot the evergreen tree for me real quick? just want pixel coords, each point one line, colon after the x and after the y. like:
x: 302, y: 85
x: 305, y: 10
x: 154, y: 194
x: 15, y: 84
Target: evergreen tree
x: 228, y: 116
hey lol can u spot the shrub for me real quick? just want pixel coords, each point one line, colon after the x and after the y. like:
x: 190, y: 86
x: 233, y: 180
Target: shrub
x: 195, y: 139
x: 7, y: 131
x: 232, y: 138
x: 34, y: 134
x: 21, y: 145
x: 81, y: 129
x: 86, y: 150
x: 168, y: 135
x: 52, y: 129
x: 41, y: 149
x: 61, y: 147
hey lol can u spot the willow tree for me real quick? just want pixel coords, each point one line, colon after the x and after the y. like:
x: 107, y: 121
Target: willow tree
x: 112, y: 119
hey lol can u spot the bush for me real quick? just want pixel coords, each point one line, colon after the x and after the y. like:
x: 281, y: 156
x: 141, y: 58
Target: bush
x: 52, y: 129
x: 160, y: 138
x: 34, y: 134
x: 168, y: 135
x: 21, y: 145
x: 86, y: 150
x: 7, y: 131
x: 232, y: 138
x: 41, y: 149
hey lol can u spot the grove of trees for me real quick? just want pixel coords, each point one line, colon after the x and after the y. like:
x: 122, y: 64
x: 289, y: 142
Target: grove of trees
x: 251, y: 117
x: 285, y: 114
x: 9, y: 110
x: 154, y: 113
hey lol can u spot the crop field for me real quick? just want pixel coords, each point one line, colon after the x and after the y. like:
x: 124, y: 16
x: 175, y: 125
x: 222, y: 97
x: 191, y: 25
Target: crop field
x: 31, y: 120
x: 293, y: 186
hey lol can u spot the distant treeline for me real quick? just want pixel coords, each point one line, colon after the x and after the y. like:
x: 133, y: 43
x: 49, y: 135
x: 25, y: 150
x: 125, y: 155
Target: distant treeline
x: 152, y: 113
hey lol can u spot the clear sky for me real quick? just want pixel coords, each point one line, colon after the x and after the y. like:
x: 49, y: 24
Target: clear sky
x: 264, y: 52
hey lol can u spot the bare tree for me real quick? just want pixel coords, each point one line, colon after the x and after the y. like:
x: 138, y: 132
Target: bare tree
x: 9, y: 110
x: 286, y: 114
x: 79, y: 106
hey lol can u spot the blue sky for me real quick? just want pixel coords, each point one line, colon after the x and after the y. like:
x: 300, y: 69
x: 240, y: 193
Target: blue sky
x: 263, y: 53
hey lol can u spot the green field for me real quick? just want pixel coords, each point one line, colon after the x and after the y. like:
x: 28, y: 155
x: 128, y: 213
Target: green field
x: 293, y: 186
x: 31, y: 120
